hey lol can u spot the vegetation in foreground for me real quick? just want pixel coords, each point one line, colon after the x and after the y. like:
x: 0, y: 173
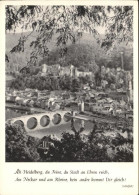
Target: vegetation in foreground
x: 67, y: 24
x: 98, y: 146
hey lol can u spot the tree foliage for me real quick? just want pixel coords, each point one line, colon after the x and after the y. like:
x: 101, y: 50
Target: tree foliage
x: 107, y: 146
x: 79, y: 55
x: 47, y: 83
x: 19, y: 146
x: 119, y: 25
x: 68, y: 23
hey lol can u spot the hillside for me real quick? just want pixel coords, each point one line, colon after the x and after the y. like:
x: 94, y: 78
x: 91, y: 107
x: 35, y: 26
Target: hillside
x: 12, y: 40
x: 86, y: 41
x: 20, y: 59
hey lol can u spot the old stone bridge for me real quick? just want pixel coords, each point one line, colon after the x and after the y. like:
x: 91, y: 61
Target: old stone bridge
x: 42, y: 120
x: 49, y: 119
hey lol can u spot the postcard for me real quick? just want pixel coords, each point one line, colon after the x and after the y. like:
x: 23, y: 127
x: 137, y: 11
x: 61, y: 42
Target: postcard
x: 69, y: 97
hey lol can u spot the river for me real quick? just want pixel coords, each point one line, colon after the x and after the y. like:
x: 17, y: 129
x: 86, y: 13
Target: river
x: 55, y: 130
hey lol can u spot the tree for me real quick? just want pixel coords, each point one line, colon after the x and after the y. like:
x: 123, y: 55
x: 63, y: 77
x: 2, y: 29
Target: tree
x: 118, y: 30
x: 68, y: 23
x: 75, y: 85
x: 98, y: 78
x: 75, y: 147
x: 19, y: 146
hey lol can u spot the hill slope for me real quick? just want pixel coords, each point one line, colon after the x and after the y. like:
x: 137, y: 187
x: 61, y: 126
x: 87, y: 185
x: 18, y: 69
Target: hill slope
x: 20, y: 59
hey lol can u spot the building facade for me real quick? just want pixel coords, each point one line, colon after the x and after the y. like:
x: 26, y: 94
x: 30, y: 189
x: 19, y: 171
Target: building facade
x: 57, y: 70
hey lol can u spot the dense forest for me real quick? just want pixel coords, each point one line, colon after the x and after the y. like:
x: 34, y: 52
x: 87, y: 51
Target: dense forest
x: 47, y: 83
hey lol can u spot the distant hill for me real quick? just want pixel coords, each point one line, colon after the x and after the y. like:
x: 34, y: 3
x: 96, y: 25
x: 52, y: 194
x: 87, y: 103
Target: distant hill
x: 12, y: 40
x: 20, y: 59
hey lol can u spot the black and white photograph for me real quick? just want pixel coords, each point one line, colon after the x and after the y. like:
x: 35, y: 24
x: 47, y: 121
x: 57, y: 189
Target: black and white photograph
x: 69, y: 83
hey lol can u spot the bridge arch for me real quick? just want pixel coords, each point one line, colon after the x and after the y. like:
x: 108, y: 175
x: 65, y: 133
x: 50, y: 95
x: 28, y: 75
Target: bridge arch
x: 19, y: 122
x: 44, y: 121
x: 67, y: 116
x: 56, y: 119
x: 32, y: 123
